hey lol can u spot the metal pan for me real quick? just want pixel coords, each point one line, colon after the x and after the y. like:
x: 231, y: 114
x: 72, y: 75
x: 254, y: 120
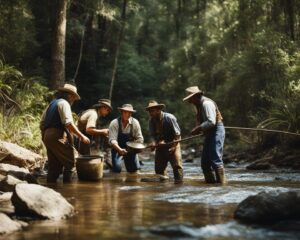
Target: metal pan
x: 135, y: 147
x: 139, y: 147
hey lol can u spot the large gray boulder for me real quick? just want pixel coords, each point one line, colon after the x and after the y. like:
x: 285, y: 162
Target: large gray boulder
x: 37, y: 201
x: 13, y: 154
x: 7, y: 225
x: 269, y: 207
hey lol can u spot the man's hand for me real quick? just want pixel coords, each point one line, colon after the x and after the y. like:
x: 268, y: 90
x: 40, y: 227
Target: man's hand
x: 105, y: 132
x: 122, y: 152
x: 152, y: 146
x: 196, y: 130
x: 172, y: 149
x: 85, y: 139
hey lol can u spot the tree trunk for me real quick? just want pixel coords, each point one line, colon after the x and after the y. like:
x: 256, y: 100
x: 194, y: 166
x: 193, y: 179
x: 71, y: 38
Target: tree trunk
x: 121, y: 33
x: 290, y: 16
x: 59, y: 46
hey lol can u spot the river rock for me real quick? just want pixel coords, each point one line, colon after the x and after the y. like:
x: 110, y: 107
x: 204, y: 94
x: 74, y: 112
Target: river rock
x: 13, y: 154
x: 37, y: 201
x: 6, y: 204
x: 269, y: 207
x: 7, y: 168
x: 9, y: 182
x: 20, y: 173
x: 7, y: 225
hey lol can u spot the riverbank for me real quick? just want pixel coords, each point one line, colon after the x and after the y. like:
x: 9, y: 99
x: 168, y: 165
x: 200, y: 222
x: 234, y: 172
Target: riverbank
x: 279, y: 157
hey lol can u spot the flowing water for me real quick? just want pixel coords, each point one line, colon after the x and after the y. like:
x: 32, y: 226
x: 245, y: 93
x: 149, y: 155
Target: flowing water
x: 123, y: 206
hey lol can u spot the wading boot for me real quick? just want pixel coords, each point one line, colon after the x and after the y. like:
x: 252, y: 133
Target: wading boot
x: 178, y: 176
x: 209, y: 177
x: 68, y: 176
x: 220, y: 173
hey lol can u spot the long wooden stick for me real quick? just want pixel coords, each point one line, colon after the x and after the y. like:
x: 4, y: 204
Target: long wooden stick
x: 262, y: 130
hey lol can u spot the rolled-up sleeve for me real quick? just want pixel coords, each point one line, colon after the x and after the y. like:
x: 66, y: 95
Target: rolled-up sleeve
x: 209, y: 111
x: 151, y: 132
x: 113, y: 132
x: 175, y: 125
x: 65, y: 112
x: 137, y: 132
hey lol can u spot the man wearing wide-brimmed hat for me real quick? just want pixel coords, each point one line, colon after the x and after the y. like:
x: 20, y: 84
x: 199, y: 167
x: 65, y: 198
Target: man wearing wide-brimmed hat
x: 163, y: 129
x: 209, y: 121
x: 56, y: 127
x: 121, y: 130
x: 87, y: 123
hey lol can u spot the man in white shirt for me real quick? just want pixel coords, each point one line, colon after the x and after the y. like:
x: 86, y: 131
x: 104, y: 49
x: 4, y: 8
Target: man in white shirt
x: 121, y: 130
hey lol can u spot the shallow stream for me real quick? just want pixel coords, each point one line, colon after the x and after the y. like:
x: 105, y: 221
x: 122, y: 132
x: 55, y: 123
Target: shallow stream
x: 123, y: 206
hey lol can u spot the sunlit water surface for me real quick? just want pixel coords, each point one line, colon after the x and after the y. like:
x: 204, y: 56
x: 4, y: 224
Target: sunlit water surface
x: 122, y: 206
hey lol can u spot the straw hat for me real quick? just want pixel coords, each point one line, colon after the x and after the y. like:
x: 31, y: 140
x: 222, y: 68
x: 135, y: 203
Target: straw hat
x: 154, y: 104
x: 127, y: 107
x: 191, y: 91
x: 103, y: 102
x: 70, y: 89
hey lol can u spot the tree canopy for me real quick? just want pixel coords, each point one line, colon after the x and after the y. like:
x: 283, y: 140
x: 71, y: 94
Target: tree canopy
x: 243, y: 54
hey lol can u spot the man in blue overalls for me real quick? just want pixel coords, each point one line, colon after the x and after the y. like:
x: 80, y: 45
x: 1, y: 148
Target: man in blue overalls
x: 209, y: 121
x: 121, y: 130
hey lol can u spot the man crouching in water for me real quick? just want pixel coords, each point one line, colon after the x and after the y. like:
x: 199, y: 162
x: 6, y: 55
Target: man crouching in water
x: 57, y: 124
x: 121, y: 130
x: 209, y: 120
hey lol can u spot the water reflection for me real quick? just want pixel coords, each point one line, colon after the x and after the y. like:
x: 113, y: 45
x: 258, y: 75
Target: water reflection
x: 121, y: 206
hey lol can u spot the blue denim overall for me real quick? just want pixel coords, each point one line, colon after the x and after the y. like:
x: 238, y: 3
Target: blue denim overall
x: 130, y: 159
x: 213, y: 149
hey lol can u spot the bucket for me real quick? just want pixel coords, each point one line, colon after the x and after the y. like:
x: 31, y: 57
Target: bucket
x: 89, y: 167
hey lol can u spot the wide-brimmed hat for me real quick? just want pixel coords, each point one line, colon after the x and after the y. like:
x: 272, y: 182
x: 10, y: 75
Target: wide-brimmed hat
x: 127, y: 107
x: 70, y: 89
x: 191, y: 91
x: 154, y: 104
x: 103, y: 102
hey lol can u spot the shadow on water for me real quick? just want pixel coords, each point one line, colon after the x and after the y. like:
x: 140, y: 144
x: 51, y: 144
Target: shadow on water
x: 121, y: 206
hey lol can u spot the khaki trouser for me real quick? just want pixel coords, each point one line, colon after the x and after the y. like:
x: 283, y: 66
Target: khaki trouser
x: 61, y: 155
x: 163, y: 156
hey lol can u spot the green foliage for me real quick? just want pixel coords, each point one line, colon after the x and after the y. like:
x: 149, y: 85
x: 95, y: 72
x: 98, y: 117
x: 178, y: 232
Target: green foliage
x: 22, y: 103
x: 243, y: 54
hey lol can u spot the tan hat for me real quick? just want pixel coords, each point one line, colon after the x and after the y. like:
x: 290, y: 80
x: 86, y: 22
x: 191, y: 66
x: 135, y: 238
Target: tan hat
x: 191, y: 91
x: 127, y: 107
x: 103, y: 102
x: 154, y: 104
x: 70, y: 89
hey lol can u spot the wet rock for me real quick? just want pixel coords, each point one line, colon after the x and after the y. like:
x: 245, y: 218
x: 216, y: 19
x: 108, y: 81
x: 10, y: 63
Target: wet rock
x: 13, y: 154
x: 6, y: 168
x: 2, y: 177
x: 20, y: 173
x: 269, y: 207
x: 6, y: 204
x: 9, y: 182
x: 28, y: 177
x: 176, y: 230
x: 261, y: 164
x: 7, y: 225
x: 37, y: 201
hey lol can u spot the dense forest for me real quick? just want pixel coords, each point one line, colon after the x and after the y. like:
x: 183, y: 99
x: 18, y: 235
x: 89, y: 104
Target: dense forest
x: 245, y: 54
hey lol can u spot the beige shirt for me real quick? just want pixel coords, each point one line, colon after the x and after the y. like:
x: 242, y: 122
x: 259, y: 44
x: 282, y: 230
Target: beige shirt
x: 133, y: 123
x: 64, y: 110
x: 88, y: 119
